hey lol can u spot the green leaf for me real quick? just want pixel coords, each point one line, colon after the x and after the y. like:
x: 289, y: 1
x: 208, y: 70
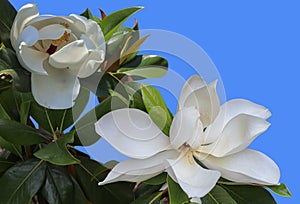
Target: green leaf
x: 60, y: 187
x: 3, y: 113
x: 281, y: 190
x: 132, y: 49
x: 102, y: 84
x: 13, y: 148
x: 9, y: 65
x: 157, y: 180
x: 59, y: 119
x: 176, y: 194
x: 112, y: 22
x: 136, y: 99
x: 117, y: 193
x: 145, y: 66
x: 85, y: 128
x: 9, y: 104
x: 249, y: 194
x: 147, y: 199
x: 4, y: 165
x: 88, y: 14
x: 157, y: 108
x: 57, y: 152
x: 7, y: 16
x: 218, y: 195
x: 18, y: 133
x: 22, y: 181
x: 24, y: 111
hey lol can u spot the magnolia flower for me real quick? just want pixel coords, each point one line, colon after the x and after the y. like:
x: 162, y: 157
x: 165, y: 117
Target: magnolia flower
x: 57, y: 50
x: 201, y: 131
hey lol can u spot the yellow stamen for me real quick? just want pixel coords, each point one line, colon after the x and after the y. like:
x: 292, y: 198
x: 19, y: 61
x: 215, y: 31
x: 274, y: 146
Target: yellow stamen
x: 63, y: 38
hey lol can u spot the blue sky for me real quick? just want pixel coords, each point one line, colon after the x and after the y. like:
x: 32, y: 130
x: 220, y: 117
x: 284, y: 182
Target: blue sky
x: 254, y: 45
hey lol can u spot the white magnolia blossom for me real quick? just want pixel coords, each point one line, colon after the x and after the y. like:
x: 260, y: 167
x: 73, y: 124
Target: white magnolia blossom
x: 216, y: 136
x: 57, y: 50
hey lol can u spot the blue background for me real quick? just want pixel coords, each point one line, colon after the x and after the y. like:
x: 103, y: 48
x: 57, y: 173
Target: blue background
x: 255, y: 46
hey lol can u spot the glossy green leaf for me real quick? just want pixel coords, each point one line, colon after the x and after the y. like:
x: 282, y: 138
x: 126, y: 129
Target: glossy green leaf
x: 112, y: 22
x: 157, y: 180
x: 145, y: 66
x: 88, y: 14
x: 13, y: 148
x: 134, y: 91
x: 157, y: 108
x: 85, y: 127
x: 148, y: 198
x: 57, y: 152
x: 7, y: 16
x: 176, y: 194
x: 3, y: 113
x: 249, y: 194
x: 24, y: 112
x: 131, y: 49
x: 281, y: 190
x: 9, y: 65
x: 60, y: 187
x: 117, y: 193
x: 102, y: 83
x: 218, y: 195
x: 18, y: 133
x: 59, y: 119
x: 9, y: 105
x: 22, y: 182
x: 4, y: 165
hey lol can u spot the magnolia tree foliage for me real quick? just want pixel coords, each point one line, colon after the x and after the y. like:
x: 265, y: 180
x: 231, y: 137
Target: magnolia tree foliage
x: 49, y: 66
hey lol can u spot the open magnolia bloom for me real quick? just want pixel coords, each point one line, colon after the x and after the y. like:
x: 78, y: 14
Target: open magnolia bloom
x: 201, y: 131
x: 57, y: 50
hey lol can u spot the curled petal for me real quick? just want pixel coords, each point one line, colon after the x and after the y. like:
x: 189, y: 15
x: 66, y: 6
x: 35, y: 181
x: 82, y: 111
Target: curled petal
x: 58, y: 90
x: 133, y: 133
x: 138, y: 170
x: 29, y: 36
x: 91, y: 30
x: 32, y: 59
x: 231, y: 109
x: 206, y: 101
x: 195, y: 82
x: 248, y: 166
x: 237, y: 135
x: 89, y: 66
x: 194, y: 180
x: 52, y: 32
x: 186, y: 128
x: 24, y: 15
x: 73, y: 53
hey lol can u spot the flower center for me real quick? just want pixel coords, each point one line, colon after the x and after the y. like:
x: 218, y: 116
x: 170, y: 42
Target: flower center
x: 55, y: 43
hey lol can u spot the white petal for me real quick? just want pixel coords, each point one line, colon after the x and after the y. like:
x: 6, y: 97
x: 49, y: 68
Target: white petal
x: 44, y: 20
x: 58, y: 90
x: 230, y: 110
x: 193, y: 83
x: 89, y: 44
x: 32, y: 59
x: 206, y: 101
x: 133, y: 133
x: 29, y: 36
x: 248, y: 166
x: 196, y: 200
x: 53, y: 32
x: 237, y: 135
x: 138, y: 170
x: 91, y: 29
x: 194, y: 180
x: 70, y: 54
x: 25, y: 14
x: 89, y: 66
x: 186, y: 128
